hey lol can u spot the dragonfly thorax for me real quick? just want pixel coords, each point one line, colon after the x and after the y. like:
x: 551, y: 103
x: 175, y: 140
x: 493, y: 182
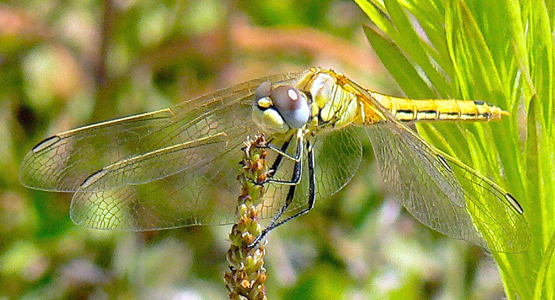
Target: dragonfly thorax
x: 279, y: 109
x: 332, y: 105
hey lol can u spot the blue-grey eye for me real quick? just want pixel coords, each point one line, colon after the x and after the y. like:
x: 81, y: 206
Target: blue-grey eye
x: 291, y: 104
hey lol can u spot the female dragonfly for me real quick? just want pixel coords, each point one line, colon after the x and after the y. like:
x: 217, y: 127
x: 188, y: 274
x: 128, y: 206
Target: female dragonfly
x: 177, y: 166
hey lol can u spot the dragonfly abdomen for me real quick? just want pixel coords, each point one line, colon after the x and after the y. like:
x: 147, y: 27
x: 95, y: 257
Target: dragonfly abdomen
x: 440, y: 110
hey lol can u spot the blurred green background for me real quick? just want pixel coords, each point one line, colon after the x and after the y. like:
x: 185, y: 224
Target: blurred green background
x: 65, y: 64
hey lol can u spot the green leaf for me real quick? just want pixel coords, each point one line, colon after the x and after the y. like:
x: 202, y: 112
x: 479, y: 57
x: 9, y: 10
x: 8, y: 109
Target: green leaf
x: 544, y: 280
x: 407, y: 39
x: 398, y: 65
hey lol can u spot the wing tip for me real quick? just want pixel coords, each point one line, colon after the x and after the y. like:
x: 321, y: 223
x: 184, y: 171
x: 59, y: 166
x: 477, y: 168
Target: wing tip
x: 27, y: 175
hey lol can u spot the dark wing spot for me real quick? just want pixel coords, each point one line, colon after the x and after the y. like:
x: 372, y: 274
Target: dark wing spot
x: 46, y: 143
x: 514, y: 203
x: 444, y: 163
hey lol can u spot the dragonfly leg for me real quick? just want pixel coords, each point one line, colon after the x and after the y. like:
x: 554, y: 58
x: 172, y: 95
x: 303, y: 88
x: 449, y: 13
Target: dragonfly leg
x: 282, y: 152
x: 310, y: 204
x: 297, y: 171
x: 279, y: 157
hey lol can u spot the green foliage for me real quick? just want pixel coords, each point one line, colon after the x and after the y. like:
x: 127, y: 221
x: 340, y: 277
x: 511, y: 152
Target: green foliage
x: 501, y: 52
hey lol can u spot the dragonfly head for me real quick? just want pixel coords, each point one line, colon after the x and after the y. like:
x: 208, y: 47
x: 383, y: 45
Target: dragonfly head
x: 279, y: 109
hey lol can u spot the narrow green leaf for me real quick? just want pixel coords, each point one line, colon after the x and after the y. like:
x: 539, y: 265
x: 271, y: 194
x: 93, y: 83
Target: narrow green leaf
x: 543, y: 282
x: 413, y: 46
x: 398, y: 65
x: 540, y: 45
x: 519, y: 43
x: 472, y: 59
x: 431, y: 17
x: 532, y: 160
x: 376, y: 12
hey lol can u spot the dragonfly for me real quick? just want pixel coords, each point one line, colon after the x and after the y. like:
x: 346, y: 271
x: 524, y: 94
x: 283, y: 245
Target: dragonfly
x: 177, y: 167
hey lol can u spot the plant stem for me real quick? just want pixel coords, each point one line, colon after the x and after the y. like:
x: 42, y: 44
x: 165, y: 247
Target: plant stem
x: 246, y: 276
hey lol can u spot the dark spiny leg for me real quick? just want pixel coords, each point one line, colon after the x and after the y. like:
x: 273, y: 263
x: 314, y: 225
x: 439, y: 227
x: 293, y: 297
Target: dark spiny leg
x: 297, y: 171
x: 289, y: 199
x: 311, y: 194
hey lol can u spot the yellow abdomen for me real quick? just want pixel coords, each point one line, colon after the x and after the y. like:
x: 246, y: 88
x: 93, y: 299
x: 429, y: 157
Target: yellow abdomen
x: 439, y: 110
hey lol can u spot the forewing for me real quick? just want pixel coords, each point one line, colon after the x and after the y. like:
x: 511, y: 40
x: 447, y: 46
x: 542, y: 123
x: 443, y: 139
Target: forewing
x: 445, y: 194
x: 63, y: 161
x: 199, y: 191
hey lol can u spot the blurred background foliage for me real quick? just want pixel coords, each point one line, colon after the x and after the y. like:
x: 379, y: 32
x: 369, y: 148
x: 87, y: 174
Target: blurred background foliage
x: 65, y: 64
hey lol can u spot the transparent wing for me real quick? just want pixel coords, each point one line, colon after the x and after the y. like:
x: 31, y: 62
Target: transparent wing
x: 63, y: 161
x: 338, y: 155
x: 440, y: 191
x: 204, y: 192
x: 337, y: 158
x: 170, y: 168
x: 432, y: 186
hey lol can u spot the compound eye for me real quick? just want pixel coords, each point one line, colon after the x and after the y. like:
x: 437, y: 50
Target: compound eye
x: 291, y: 104
x: 262, y: 94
